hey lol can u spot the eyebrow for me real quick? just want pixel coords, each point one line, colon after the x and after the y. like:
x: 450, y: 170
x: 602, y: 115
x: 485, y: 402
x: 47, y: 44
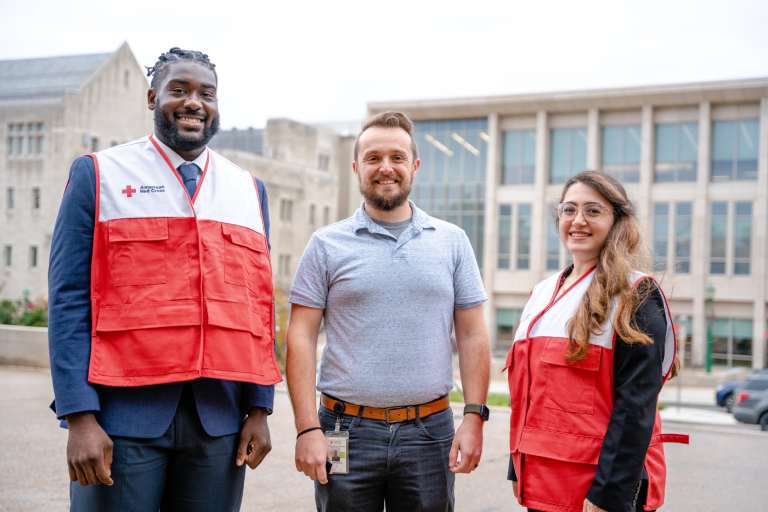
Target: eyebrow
x: 182, y: 81
x: 588, y: 203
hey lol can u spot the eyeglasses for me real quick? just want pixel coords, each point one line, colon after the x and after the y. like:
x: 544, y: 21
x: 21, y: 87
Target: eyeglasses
x: 590, y: 211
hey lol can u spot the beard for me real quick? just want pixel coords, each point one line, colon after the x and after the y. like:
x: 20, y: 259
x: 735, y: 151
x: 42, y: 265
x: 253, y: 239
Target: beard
x: 169, y: 133
x: 382, y: 202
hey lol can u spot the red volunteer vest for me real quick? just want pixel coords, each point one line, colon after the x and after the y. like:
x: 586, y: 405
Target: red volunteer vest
x: 561, y: 410
x: 180, y: 288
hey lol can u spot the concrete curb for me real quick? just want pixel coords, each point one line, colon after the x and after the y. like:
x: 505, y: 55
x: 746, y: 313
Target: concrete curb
x: 24, y: 346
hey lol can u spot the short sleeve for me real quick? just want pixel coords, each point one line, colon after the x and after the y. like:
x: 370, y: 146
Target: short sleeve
x: 468, y: 287
x: 310, y: 286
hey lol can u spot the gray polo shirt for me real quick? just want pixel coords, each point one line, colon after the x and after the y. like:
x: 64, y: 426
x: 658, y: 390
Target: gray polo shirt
x: 389, y: 306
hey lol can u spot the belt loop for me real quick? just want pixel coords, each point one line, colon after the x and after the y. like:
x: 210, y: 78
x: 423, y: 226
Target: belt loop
x: 338, y: 408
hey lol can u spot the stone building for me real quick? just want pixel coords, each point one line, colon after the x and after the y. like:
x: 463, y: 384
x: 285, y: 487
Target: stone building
x: 51, y: 111
x: 693, y: 157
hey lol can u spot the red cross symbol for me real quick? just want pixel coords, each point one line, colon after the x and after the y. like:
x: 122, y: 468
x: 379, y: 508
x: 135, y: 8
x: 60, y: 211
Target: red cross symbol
x: 128, y: 190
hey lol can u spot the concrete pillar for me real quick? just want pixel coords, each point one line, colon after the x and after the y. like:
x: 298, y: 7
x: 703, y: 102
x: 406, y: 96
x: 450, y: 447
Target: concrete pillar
x: 760, y: 245
x: 541, y: 179
x: 647, y: 150
x: 492, y: 178
x: 593, y: 139
x: 700, y: 239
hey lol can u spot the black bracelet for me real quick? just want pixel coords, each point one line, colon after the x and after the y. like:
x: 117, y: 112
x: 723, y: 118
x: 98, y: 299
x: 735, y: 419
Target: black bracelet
x: 310, y: 429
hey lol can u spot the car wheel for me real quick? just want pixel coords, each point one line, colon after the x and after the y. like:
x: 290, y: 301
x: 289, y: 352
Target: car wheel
x: 729, y: 402
x: 764, y: 422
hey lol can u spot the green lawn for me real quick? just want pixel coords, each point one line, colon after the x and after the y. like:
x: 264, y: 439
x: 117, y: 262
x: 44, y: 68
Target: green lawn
x: 501, y: 399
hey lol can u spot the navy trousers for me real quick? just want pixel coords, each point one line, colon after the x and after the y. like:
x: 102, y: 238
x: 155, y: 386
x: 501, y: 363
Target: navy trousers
x: 184, y: 469
x: 403, y: 465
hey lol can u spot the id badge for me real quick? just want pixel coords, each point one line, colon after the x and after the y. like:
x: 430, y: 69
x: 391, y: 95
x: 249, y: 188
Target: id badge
x: 338, y: 452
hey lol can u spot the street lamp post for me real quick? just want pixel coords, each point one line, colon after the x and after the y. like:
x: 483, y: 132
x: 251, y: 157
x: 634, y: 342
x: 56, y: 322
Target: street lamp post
x: 709, y: 304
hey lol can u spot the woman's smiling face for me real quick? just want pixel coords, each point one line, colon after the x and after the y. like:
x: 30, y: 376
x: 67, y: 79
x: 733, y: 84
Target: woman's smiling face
x: 585, y: 218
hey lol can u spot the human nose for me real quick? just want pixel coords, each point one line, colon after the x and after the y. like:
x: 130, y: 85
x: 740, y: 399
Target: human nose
x: 579, y: 218
x: 193, y: 102
x: 386, y: 165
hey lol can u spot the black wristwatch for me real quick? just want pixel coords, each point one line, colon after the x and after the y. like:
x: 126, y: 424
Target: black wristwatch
x: 480, y: 409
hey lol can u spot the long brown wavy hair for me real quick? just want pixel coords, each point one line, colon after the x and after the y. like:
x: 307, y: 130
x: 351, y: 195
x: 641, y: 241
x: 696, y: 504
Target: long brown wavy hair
x: 623, y: 252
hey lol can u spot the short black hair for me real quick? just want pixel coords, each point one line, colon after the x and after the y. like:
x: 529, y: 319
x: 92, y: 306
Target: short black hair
x: 175, y: 54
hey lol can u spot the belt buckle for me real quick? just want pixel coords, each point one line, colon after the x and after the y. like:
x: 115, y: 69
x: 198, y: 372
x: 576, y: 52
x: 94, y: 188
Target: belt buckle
x: 386, y: 414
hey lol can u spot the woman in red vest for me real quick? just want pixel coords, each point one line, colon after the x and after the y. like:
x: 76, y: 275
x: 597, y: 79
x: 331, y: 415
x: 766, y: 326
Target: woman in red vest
x: 594, y: 346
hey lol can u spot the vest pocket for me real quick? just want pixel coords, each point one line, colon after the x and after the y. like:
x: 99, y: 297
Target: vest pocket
x: 243, y: 256
x: 570, y: 387
x: 137, y: 251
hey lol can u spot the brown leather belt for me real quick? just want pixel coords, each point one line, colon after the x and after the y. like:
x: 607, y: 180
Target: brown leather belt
x: 388, y: 414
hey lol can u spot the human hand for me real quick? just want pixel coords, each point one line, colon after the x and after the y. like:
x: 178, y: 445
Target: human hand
x: 89, y: 451
x: 467, y: 446
x: 514, y: 488
x: 591, y: 507
x: 255, y: 442
x: 312, y: 454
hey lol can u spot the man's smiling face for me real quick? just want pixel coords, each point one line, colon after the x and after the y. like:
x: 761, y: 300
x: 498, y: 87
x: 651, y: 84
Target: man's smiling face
x: 185, y: 106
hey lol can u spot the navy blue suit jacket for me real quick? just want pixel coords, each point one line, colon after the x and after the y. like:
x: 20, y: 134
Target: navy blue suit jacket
x: 144, y: 411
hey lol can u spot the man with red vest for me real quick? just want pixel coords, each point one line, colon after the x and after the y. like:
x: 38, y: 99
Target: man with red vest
x: 161, y: 314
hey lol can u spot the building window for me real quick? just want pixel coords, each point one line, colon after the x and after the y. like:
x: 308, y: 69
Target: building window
x: 553, y: 239
x: 660, y: 236
x: 519, y: 158
x: 452, y: 174
x: 677, y: 148
x: 683, y: 225
x: 732, y: 341
x: 286, y: 209
x: 567, y: 153
x: 507, y: 320
x: 36, y: 198
x: 312, y: 214
x: 284, y: 265
x: 33, y: 256
x: 326, y: 215
x: 734, y: 150
x: 10, y: 198
x: 523, y: 236
x: 505, y: 236
x: 717, y: 240
x: 7, y: 255
x: 126, y: 79
x: 742, y: 238
x: 621, y: 152
x: 25, y: 139
x: 323, y: 161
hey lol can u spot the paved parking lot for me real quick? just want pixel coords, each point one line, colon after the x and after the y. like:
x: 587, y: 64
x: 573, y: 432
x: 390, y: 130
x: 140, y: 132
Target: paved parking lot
x: 723, y: 469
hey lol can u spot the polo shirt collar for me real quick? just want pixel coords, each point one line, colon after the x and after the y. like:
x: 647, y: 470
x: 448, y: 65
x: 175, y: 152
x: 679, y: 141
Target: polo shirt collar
x: 420, y: 220
x: 176, y: 160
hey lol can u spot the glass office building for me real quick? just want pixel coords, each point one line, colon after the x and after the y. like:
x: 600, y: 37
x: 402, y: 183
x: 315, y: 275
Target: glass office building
x: 692, y: 157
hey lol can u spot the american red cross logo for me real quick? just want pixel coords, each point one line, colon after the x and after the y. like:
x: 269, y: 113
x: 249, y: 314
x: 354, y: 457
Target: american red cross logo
x: 128, y: 190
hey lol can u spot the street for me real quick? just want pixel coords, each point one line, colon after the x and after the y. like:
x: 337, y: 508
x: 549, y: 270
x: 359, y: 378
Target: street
x: 723, y: 469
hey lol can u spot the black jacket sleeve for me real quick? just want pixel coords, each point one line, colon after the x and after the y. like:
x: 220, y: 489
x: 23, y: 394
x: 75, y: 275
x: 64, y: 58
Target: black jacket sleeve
x: 637, y: 381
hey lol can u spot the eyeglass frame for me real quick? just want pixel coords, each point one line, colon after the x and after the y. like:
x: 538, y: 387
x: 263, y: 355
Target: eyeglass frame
x: 582, y: 208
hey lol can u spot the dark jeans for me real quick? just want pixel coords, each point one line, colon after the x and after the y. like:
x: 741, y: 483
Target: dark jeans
x: 183, y: 470
x: 403, y: 465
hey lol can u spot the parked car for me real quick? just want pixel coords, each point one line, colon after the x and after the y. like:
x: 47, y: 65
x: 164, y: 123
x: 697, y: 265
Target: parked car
x: 725, y: 393
x: 751, y: 404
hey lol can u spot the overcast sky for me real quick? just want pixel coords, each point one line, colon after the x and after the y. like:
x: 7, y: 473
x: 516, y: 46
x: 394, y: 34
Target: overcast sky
x: 325, y: 60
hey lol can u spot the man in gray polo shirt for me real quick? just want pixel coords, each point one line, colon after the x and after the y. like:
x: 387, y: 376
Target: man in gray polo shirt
x: 391, y: 283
